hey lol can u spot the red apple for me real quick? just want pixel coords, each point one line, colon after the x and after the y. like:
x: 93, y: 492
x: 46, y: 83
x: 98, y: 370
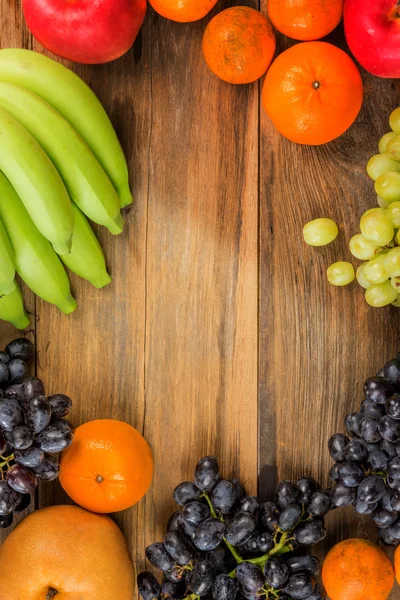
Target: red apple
x: 372, y: 29
x: 85, y: 31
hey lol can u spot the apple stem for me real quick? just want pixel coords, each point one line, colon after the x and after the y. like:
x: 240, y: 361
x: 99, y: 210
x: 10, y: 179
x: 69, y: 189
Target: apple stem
x: 397, y: 9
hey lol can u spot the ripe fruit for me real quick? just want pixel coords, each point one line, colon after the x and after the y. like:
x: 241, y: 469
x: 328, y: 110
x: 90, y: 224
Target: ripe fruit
x: 305, y: 19
x: 85, y: 32
x: 373, y: 34
x: 108, y: 467
x: 356, y: 569
x: 312, y: 93
x: 340, y: 273
x: 238, y: 44
x: 320, y: 232
x: 183, y: 11
x: 66, y: 551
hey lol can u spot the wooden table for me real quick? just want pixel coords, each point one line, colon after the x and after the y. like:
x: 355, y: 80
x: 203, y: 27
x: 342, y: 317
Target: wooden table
x: 219, y: 333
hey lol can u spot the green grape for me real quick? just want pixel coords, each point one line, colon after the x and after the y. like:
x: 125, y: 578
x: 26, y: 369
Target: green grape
x: 320, y: 232
x: 394, y: 120
x: 379, y: 164
x: 362, y: 248
x: 392, y: 262
x: 397, y: 238
x: 385, y: 139
x: 393, y: 148
x: 395, y: 281
x: 377, y: 227
x: 382, y: 203
x: 360, y: 275
x: 393, y: 213
x: 387, y: 186
x: 340, y: 273
x: 396, y: 302
x: 375, y: 271
x: 380, y: 294
x: 376, y: 209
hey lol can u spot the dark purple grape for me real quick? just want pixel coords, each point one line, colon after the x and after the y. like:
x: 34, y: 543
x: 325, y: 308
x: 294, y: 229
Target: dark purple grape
x: 18, y: 370
x: 21, y: 479
x: 276, y: 572
x: 300, y: 586
x: 265, y: 542
x: 2, y: 395
x: 372, y: 447
x: 158, y: 556
x: 356, y: 451
x: 179, y: 548
x: 351, y: 474
x: 289, y: 517
x: 395, y: 501
x: 388, y: 448
x: 393, y: 483
x: 195, y: 512
x: 21, y: 437
x: 176, y: 575
x: 250, y: 545
x: 371, y: 409
x: 304, y: 563
x: 286, y: 493
x: 389, y: 429
x: 4, y: 373
x: 202, y: 577
x: 4, y: 357
x: 362, y: 508
x: 187, y: 528
x: 15, y: 392
x: 209, y: 535
x: 268, y: 516
x: 320, y: 503
x: 10, y: 414
x: 352, y: 423
x: 392, y: 371
x: 3, y: 442
x: 386, y: 538
x: 21, y: 348
x: 224, y: 497
x: 224, y: 588
x: 173, y: 521
x: 318, y: 594
x: 206, y: 474
x: 56, y: 437
x: 386, y: 500
x: 310, y: 532
x: 37, y: 413
x: 29, y: 457
x: 9, y: 498
x: 393, y: 468
x: 47, y: 469
x: 384, y: 518
x: 222, y: 559
x: 148, y: 586
x: 334, y: 472
x: 23, y: 503
x: 250, y: 504
x: 378, y: 461
x: 378, y: 389
x: 393, y: 406
x: 240, y: 529
x: 32, y: 387
x: 239, y: 489
x: 394, y: 530
x: 172, y: 591
x: 371, y: 489
x: 306, y: 486
x: 250, y: 577
x: 61, y: 405
x: 186, y: 492
x: 342, y: 496
x: 369, y: 430
x: 6, y: 520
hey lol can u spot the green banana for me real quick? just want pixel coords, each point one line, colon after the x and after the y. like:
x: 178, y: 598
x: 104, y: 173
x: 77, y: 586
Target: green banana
x: 86, y: 258
x: 7, y: 263
x: 12, y: 308
x: 70, y: 95
x: 37, y: 183
x: 86, y: 182
x: 36, y: 262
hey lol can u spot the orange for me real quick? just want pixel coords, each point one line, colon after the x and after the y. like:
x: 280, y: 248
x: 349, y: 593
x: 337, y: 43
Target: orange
x: 357, y: 570
x: 108, y: 467
x: 184, y: 11
x: 312, y: 93
x: 397, y: 563
x: 239, y: 44
x: 305, y: 19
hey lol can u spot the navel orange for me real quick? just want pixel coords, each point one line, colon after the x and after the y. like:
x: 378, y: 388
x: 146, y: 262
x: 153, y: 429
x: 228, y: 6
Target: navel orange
x: 108, y: 467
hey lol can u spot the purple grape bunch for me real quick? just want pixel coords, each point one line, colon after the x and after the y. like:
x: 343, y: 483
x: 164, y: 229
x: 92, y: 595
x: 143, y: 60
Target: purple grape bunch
x: 32, y: 430
x: 366, y: 472
x: 223, y: 545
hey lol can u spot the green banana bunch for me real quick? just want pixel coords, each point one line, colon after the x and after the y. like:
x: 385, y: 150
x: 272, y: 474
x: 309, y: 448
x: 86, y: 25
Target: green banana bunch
x: 86, y: 182
x: 7, y: 263
x: 12, y: 308
x: 76, y: 102
x: 36, y: 262
x: 86, y: 258
x: 37, y: 183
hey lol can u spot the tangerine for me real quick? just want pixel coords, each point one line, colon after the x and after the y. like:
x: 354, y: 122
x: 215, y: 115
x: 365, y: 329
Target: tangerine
x: 183, y: 11
x: 108, y: 467
x: 305, y: 19
x: 239, y: 44
x: 312, y: 93
x: 356, y: 569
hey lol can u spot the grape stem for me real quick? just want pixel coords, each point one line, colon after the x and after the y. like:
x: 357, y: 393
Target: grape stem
x: 232, y: 550
x: 6, y: 460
